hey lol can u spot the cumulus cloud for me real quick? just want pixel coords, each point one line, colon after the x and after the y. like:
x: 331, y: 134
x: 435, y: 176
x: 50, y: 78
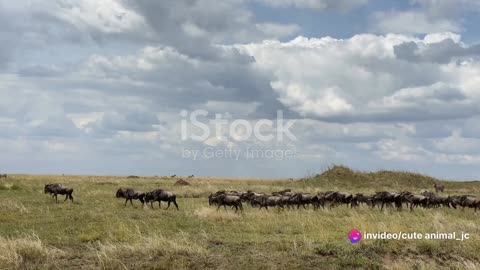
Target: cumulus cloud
x: 443, y: 51
x: 372, y: 78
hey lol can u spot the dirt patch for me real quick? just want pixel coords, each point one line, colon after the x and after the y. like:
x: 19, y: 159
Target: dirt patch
x: 182, y: 182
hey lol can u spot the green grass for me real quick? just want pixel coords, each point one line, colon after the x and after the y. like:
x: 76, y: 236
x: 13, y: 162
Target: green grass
x: 98, y: 232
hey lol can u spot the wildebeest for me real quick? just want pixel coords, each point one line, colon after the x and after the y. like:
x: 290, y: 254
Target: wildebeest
x: 384, y: 198
x: 270, y: 200
x: 427, y: 193
x: 130, y: 194
x: 160, y: 195
x: 191, y: 176
x: 301, y: 199
x: 55, y: 189
x: 173, y: 176
x: 335, y: 197
x: 439, y: 187
x: 251, y: 197
x: 437, y: 201
x: 465, y: 201
x: 227, y: 200
x: 3, y: 175
x: 359, y: 198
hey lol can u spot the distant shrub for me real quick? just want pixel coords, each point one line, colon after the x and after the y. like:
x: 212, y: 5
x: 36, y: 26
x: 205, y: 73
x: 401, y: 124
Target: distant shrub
x: 8, y: 186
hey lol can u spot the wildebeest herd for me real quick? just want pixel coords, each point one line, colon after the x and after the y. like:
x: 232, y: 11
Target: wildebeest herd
x: 290, y: 199
x: 158, y: 195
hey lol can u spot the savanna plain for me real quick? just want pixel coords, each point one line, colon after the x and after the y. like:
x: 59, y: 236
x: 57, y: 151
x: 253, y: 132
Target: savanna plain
x: 97, y: 231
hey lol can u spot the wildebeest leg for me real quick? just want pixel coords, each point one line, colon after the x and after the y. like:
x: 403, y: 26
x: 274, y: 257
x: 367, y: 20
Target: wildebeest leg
x: 131, y: 202
x: 56, y: 199
x: 176, y: 205
x: 159, y: 205
x: 236, y: 208
x: 168, y: 205
x: 66, y: 197
x: 126, y: 200
x: 219, y: 205
x: 383, y: 204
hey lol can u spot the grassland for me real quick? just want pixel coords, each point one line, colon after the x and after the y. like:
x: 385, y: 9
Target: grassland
x: 98, y: 232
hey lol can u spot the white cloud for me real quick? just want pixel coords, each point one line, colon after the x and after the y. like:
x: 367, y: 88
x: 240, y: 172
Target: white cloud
x: 411, y: 22
x: 367, y: 77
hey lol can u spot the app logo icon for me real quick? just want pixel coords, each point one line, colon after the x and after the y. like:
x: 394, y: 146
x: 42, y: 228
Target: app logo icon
x: 354, y: 235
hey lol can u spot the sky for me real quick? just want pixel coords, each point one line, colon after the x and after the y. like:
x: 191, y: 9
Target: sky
x: 111, y: 87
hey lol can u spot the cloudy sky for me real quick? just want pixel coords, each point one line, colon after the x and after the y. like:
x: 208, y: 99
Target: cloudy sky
x: 98, y: 86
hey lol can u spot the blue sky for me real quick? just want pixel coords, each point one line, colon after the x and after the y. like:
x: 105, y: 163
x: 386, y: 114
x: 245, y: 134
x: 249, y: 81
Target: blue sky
x: 97, y: 86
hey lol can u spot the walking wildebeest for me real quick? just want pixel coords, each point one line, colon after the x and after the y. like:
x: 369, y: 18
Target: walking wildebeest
x: 359, y: 198
x: 438, y: 187
x: 301, y: 199
x: 227, y: 200
x: 130, y: 194
x: 338, y: 198
x: 383, y: 197
x: 55, y: 189
x: 160, y: 195
x: 3, y: 175
x: 427, y: 193
x: 469, y: 201
x: 270, y: 200
x: 251, y: 197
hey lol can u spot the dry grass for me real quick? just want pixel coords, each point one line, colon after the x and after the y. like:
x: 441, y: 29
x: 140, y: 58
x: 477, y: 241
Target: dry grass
x: 27, y: 252
x: 145, y: 249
